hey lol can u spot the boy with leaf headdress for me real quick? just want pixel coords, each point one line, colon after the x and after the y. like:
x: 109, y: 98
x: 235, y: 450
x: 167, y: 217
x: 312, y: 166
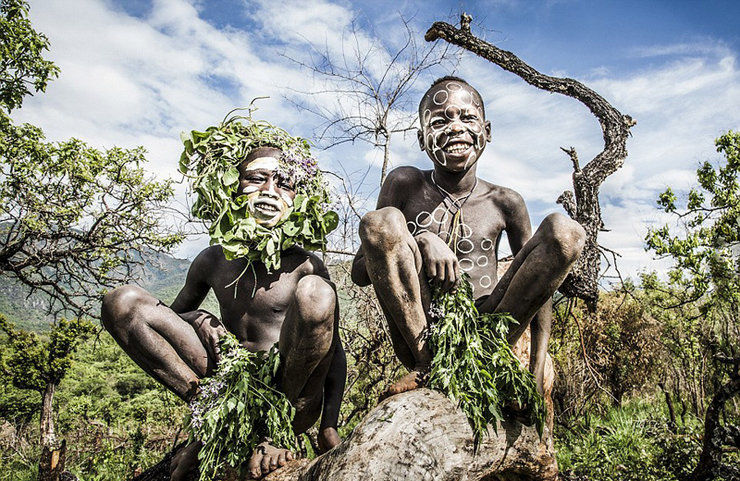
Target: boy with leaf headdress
x: 266, y: 202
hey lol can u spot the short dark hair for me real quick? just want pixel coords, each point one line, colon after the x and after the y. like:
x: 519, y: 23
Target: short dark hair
x: 449, y: 78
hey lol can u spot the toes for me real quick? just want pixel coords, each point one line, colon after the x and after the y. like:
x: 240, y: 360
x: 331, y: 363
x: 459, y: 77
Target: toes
x: 266, y: 464
x: 289, y: 456
x: 282, y: 458
x: 254, y: 466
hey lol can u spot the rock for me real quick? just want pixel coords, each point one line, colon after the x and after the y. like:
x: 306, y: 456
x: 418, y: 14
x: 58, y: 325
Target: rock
x: 421, y: 435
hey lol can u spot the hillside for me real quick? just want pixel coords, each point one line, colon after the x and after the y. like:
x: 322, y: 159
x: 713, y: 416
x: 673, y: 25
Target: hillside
x: 163, y: 275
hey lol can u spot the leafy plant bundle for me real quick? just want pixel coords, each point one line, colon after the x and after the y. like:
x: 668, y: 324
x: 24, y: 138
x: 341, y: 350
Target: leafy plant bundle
x: 238, y: 407
x: 211, y: 159
x: 473, y: 363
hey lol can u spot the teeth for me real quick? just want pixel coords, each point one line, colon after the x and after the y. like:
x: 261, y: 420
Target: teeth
x: 456, y: 148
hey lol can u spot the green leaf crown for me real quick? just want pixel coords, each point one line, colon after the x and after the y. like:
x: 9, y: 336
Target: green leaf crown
x: 211, y: 159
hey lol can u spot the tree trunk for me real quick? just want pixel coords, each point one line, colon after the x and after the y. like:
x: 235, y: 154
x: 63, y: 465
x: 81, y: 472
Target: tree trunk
x: 386, y: 159
x: 51, y: 463
x: 421, y: 435
x: 710, y: 460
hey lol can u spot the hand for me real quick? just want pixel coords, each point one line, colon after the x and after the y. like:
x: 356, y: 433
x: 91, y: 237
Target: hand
x: 209, y: 330
x: 440, y: 263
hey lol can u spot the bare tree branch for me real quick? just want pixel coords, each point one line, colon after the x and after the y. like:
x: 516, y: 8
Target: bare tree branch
x: 583, y: 280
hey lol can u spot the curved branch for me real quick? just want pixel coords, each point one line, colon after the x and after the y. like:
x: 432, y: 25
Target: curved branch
x: 615, y: 126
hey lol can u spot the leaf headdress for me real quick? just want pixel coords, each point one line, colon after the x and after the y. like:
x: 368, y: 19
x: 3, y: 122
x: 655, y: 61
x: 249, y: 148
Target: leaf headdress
x: 211, y: 159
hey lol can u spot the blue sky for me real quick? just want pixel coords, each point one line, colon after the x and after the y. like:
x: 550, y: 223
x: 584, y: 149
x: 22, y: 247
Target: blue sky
x: 139, y: 72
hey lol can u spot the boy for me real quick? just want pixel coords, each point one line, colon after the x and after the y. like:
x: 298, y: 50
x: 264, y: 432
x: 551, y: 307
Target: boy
x: 432, y: 225
x: 294, y: 305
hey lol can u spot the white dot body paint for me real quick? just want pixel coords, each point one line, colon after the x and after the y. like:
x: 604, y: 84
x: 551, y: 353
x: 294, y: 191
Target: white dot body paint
x: 485, y: 282
x: 465, y: 246
x: 453, y: 87
x: 486, y: 244
x: 440, y: 97
x: 412, y: 227
x: 466, y: 264
x: 482, y: 261
x: 426, y: 219
x: 466, y: 231
x: 440, y: 218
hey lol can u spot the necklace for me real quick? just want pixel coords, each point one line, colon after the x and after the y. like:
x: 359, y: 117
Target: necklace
x: 457, y: 216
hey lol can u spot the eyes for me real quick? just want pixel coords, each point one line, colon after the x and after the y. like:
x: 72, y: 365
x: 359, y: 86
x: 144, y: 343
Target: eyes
x: 258, y: 178
x: 467, y: 117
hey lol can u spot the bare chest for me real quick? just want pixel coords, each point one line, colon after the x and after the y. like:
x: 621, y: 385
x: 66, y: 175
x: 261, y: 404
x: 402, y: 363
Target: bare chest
x: 254, y: 307
x: 472, y: 230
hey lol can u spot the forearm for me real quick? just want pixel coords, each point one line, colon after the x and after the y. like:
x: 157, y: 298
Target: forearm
x: 334, y: 387
x: 359, y: 270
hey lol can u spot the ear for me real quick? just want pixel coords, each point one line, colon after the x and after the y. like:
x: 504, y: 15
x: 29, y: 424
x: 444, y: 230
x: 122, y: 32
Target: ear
x: 420, y: 138
x: 488, y: 130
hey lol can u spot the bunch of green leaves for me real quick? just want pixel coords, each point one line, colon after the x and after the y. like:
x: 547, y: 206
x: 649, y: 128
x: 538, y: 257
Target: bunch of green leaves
x: 473, y: 363
x: 238, y: 407
x: 211, y: 159
x: 21, y: 62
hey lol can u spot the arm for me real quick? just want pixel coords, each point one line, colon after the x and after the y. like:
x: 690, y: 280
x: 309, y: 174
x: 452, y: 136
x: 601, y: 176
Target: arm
x: 196, y: 285
x: 207, y: 326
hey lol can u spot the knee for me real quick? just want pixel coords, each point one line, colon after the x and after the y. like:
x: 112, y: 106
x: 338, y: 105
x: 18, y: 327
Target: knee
x: 119, y: 304
x: 565, y: 235
x: 316, y: 300
x: 383, y: 227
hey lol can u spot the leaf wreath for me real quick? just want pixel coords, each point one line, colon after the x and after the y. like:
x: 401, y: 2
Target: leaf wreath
x: 211, y: 158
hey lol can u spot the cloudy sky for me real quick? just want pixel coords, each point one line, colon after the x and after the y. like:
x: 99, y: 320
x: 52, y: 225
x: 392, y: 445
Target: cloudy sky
x: 139, y: 72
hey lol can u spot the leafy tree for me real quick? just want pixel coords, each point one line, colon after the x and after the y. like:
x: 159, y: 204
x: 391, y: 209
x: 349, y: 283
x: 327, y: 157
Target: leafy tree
x: 74, y: 221
x: 37, y: 364
x: 705, y: 275
x: 21, y: 63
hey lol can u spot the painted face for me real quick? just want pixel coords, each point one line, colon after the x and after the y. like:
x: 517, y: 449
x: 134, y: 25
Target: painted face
x: 454, y: 130
x: 270, y: 196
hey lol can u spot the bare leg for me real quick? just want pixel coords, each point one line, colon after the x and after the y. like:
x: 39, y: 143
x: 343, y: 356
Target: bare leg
x: 394, y: 266
x: 157, y: 339
x: 307, y: 348
x: 537, y: 271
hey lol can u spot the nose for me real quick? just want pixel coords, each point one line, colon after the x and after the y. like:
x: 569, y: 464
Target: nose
x: 268, y: 188
x: 456, y: 127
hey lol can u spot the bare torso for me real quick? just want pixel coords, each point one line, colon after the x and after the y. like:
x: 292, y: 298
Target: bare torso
x: 253, y: 313
x: 483, y: 219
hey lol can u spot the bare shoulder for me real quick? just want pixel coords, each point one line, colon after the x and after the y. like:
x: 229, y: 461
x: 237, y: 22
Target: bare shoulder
x: 508, y: 201
x: 209, y: 261
x: 400, y: 183
x: 405, y: 174
x: 306, y: 262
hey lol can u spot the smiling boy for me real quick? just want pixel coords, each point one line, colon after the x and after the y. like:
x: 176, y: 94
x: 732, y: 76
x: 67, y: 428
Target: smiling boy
x: 294, y: 306
x: 433, y: 225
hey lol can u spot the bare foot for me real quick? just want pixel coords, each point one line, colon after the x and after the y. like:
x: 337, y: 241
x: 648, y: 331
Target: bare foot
x: 413, y: 380
x: 327, y: 439
x: 184, y: 461
x: 267, y: 458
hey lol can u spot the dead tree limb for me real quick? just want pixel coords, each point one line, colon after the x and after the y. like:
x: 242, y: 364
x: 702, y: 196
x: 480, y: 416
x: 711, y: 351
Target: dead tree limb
x: 583, y: 280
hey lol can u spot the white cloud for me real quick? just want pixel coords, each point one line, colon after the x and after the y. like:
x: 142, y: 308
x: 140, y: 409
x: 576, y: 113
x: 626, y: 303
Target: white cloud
x: 128, y: 81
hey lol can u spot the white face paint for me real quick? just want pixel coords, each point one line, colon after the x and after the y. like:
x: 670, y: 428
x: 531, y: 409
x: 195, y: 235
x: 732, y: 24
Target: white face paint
x: 268, y: 203
x: 454, y: 130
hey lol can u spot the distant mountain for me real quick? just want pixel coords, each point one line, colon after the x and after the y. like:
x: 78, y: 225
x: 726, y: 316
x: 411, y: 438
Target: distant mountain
x: 163, y: 275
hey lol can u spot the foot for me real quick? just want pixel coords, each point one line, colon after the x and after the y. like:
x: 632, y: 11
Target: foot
x: 184, y: 461
x: 520, y: 412
x: 327, y: 439
x: 413, y: 380
x: 266, y: 459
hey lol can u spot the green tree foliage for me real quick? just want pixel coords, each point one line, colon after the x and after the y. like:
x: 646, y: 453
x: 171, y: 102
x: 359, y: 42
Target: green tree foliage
x: 32, y: 362
x: 73, y: 219
x: 21, y: 65
x: 704, y: 287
